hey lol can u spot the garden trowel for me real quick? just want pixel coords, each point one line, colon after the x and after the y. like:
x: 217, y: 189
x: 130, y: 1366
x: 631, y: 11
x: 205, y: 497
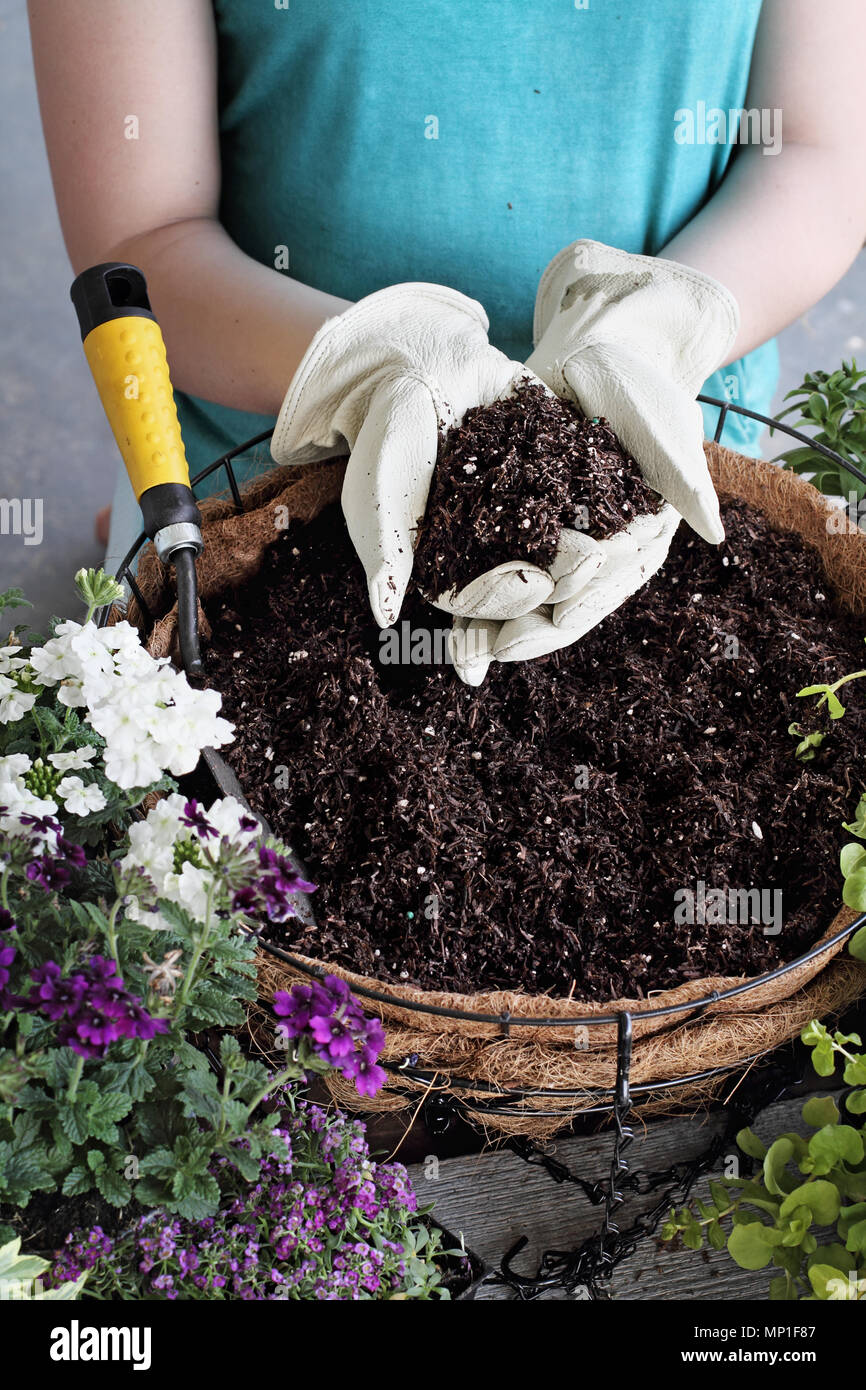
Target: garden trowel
x: 123, y: 345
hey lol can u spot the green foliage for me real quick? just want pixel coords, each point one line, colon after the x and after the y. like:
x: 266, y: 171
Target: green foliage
x: 832, y: 407
x: 13, y: 598
x: 803, y: 1185
x: 852, y: 860
x: 807, y: 744
x: 828, y: 695
x: 97, y: 589
x: 147, y: 1120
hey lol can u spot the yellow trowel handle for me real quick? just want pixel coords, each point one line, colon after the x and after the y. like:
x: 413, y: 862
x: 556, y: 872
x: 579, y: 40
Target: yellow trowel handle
x: 124, y: 347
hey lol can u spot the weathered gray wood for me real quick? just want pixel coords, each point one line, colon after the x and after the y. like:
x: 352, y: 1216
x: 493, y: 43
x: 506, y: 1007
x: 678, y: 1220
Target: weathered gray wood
x: 495, y: 1198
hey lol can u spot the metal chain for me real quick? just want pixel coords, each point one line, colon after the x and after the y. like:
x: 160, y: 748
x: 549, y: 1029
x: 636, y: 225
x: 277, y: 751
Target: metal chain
x: 592, y: 1264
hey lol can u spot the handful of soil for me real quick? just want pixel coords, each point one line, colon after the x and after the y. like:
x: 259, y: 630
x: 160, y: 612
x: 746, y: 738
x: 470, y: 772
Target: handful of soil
x: 511, y: 476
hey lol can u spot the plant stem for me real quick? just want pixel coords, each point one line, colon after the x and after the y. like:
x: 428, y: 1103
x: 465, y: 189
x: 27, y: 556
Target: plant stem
x: 111, y: 930
x: 289, y: 1073
x: 74, y: 1079
x: 4, y: 894
x: 198, y: 949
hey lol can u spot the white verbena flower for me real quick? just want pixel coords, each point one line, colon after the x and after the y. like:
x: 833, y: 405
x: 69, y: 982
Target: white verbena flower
x: 73, y: 760
x: 14, y: 703
x: 80, y: 798
x: 12, y: 660
x: 152, y: 845
x: 16, y: 797
x: 152, y: 720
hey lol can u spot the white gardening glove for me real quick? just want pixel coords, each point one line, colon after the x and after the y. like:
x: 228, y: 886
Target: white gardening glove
x: 629, y: 338
x: 381, y: 380
x: 632, y: 338
x: 622, y: 565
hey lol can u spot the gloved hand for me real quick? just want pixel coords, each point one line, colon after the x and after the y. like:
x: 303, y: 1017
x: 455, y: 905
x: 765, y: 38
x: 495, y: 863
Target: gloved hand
x: 630, y: 338
x: 381, y: 380
x: 621, y: 566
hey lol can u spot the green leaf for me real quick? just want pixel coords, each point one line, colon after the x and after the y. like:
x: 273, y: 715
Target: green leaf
x: 833, y: 1144
x: 109, y: 1107
x: 77, y: 1181
x: 820, y: 1111
x: 782, y: 1290
x: 858, y: 825
x: 789, y: 1259
x: 113, y: 1187
x: 159, y: 1160
x: 751, y: 1244
x: 827, y: 1281
x: 821, y: 1198
x: 856, y: 1102
x: 824, y: 1058
x: 854, y: 896
x: 833, y: 1254
x: 777, y: 1156
x: 720, y: 1195
x: 14, y: 1265
x: 751, y: 1144
x: 716, y: 1236
x: 247, y: 1164
x: 195, y: 1196
x: 855, y: 1239
x: 203, y: 1103
x: 693, y: 1236
x: 854, y: 1073
x: 857, y: 944
x: 797, y: 1230
x: 13, y: 598
x: 813, y: 1033
x: 73, y: 1120
x: 210, y: 1006
x: 851, y: 858
x: 134, y: 1078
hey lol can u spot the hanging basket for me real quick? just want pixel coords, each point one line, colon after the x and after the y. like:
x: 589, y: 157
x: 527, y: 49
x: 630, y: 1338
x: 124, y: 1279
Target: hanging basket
x: 521, y: 1063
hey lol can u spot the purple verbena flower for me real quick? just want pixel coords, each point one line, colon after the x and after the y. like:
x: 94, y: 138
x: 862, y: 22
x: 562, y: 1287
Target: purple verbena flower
x: 362, y: 1068
x: 42, y: 825
x: 54, y: 995
x: 94, y: 1005
x: 49, y: 872
x: 327, y: 1018
x: 73, y: 854
x: 195, y: 818
x: 8, y: 1000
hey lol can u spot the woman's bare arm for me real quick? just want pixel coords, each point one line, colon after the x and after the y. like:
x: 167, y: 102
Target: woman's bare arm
x: 235, y: 330
x: 783, y: 228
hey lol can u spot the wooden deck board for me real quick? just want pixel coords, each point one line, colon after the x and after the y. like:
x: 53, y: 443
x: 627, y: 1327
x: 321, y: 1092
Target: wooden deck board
x: 496, y: 1198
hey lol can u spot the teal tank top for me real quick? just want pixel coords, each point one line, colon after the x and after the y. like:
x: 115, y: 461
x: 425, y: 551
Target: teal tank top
x: 367, y: 142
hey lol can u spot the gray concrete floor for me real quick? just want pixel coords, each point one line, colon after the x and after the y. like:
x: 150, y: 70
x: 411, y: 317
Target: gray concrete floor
x: 55, y: 442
